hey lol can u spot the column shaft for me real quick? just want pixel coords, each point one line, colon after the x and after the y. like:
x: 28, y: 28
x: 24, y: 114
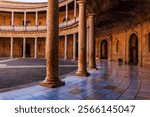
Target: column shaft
x: 35, y: 49
x: 87, y: 47
x: 82, y: 71
x: 67, y: 12
x: 25, y: 18
x: 52, y: 79
x: 11, y: 47
x: 66, y: 48
x: 75, y: 8
x: 92, y: 57
x: 24, y: 47
x: 36, y: 18
x: 12, y: 18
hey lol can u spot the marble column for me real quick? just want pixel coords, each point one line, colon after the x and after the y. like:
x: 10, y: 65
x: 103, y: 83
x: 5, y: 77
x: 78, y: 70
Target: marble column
x: 25, y: 18
x: 92, y: 57
x: 36, y: 18
x: 52, y: 80
x: 66, y: 49
x: 11, y: 47
x: 35, y: 48
x: 82, y: 71
x: 12, y: 18
x: 24, y: 47
x: 74, y: 46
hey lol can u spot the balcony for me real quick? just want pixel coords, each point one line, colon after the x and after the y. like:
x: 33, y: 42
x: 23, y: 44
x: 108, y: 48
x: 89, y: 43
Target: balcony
x: 36, y: 28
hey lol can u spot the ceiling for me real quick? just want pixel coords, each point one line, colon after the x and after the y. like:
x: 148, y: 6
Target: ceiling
x: 114, y: 15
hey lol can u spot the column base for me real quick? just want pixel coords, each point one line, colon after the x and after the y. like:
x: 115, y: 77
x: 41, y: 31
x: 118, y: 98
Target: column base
x: 82, y: 73
x: 65, y: 59
x: 52, y: 84
x: 74, y: 59
x: 92, y: 68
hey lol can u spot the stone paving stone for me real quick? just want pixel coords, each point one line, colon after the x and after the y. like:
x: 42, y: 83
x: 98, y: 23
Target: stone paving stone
x: 2, y: 98
x: 111, y: 87
x: 95, y: 96
x: 98, y: 87
x: 103, y: 83
x: 130, y: 94
x: 39, y: 87
x: 145, y: 89
x: 23, y: 97
x: 144, y: 94
x: 18, y: 93
x: 124, y: 98
x: 141, y: 98
x: 76, y: 91
x: 104, y: 91
x: 111, y: 96
x: 42, y: 97
x: 38, y: 93
x: 119, y: 90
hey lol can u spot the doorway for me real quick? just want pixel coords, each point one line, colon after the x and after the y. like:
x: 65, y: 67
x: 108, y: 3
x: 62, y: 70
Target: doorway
x: 133, y: 49
x: 104, y: 49
x: 28, y: 50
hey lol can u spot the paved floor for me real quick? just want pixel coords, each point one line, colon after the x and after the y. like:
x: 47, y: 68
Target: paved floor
x: 110, y: 82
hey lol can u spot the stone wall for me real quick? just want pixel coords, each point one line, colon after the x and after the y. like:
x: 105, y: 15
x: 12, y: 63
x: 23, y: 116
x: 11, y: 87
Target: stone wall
x: 120, y: 42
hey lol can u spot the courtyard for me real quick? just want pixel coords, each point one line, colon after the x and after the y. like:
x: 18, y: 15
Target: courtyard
x: 20, y: 80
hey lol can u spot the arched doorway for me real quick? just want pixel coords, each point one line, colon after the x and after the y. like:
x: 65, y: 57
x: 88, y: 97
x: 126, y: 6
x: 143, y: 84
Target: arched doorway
x: 104, y: 49
x: 133, y: 49
x: 28, y: 50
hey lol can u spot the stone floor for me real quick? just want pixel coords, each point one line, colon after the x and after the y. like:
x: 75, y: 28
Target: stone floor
x: 14, y: 72
x: 110, y: 82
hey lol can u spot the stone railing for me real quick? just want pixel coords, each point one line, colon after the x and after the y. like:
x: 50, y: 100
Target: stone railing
x: 37, y: 28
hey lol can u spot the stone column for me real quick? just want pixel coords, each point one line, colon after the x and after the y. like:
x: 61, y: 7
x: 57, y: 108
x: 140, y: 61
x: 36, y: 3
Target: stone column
x: 35, y: 49
x: 87, y: 46
x: 24, y: 47
x: 75, y: 8
x: 67, y: 12
x: 82, y: 71
x: 74, y: 46
x: 52, y: 79
x: 92, y: 57
x: 66, y: 49
x: 36, y: 18
x: 11, y: 47
x: 25, y: 18
x: 12, y: 18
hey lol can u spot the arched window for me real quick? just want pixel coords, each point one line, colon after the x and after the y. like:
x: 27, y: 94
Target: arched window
x: 117, y: 46
x: 148, y: 42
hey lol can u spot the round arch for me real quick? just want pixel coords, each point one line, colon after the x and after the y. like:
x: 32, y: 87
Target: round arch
x: 104, y: 49
x: 133, y: 49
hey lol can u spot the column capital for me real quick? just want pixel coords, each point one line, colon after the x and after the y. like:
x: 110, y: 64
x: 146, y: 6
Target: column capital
x: 91, y: 14
x: 81, y: 2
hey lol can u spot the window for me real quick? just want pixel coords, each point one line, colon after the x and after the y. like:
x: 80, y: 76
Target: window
x: 148, y: 42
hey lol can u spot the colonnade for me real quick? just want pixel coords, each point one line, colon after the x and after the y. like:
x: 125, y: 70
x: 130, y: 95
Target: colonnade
x: 24, y: 47
x: 36, y: 14
x: 52, y: 79
x: 25, y: 18
x: 74, y: 47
